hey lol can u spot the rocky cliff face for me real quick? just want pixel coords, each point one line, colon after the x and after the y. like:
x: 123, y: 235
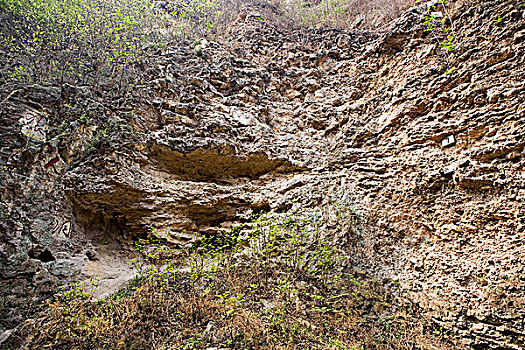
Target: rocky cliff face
x: 431, y: 163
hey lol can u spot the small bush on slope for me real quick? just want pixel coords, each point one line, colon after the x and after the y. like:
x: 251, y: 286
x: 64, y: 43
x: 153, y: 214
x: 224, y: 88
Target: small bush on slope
x: 85, y: 42
x: 286, y: 287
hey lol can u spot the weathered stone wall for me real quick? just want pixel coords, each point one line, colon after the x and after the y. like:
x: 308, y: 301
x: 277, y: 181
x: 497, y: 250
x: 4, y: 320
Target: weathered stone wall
x: 430, y: 163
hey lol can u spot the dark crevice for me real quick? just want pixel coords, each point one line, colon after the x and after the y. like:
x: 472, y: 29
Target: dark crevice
x: 44, y: 256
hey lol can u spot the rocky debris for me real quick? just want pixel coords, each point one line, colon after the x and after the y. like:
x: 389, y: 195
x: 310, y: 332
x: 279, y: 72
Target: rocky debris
x: 428, y: 166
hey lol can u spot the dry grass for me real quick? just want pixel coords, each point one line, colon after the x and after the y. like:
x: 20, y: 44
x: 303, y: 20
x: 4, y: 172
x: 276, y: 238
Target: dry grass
x: 215, y: 17
x: 346, y: 14
x: 284, y: 288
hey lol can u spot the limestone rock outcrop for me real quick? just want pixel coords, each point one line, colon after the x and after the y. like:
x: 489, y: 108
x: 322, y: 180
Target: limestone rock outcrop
x: 431, y: 161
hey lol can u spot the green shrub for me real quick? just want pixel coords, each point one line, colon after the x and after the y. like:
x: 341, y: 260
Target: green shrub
x: 201, y: 16
x: 84, y: 42
x: 439, y: 23
x: 284, y: 287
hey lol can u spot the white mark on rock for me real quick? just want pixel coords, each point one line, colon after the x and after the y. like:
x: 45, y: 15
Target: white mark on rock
x: 448, y: 141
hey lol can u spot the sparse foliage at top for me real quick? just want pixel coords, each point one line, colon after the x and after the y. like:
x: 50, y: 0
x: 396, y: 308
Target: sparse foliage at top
x: 93, y: 42
x: 106, y: 43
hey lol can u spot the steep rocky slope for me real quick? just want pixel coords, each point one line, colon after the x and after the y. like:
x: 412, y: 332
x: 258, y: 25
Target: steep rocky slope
x: 430, y: 163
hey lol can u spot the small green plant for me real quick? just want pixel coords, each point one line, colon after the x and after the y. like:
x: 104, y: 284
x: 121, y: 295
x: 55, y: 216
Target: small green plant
x: 20, y: 73
x: 443, y: 333
x: 439, y: 23
x: 221, y: 241
x: 450, y: 71
x: 449, y: 43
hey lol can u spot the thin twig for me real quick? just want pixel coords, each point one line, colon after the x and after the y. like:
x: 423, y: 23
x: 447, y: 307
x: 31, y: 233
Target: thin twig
x: 9, y: 96
x: 449, y: 18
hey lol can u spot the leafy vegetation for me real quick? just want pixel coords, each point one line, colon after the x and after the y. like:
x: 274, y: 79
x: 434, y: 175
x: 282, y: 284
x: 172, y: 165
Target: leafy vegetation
x: 439, y: 23
x: 283, y: 286
x: 100, y: 43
